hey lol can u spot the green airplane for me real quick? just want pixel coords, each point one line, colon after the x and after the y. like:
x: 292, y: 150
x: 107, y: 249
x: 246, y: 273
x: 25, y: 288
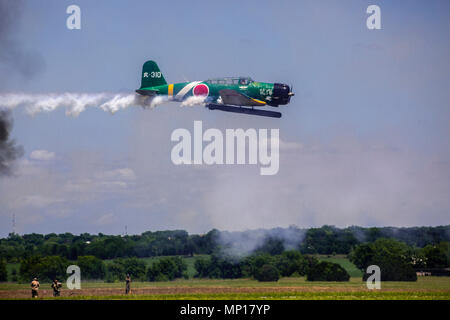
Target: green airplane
x: 231, y: 94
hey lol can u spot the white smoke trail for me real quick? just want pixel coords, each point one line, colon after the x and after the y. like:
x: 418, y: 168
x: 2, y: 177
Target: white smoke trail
x: 156, y: 101
x: 75, y: 103
x: 193, y: 101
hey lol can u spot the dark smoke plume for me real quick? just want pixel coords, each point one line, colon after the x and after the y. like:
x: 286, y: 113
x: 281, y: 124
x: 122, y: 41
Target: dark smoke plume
x: 13, y: 56
x: 9, y: 152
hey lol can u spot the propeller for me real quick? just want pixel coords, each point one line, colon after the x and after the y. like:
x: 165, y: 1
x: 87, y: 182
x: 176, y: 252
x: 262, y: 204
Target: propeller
x: 291, y: 91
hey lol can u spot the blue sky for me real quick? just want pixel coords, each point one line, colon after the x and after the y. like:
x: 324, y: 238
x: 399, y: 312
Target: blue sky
x: 368, y: 129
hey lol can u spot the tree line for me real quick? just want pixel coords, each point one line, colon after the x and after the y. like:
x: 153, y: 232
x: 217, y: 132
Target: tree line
x: 397, y: 260
x: 266, y: 267
x: 324, y: 240
x: 260, y: 266
x: 48, y: 268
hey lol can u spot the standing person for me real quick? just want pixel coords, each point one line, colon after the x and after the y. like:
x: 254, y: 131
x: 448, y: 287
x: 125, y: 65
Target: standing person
x: 34, y: 288
x: 56, y: 286
x: 128, y: 284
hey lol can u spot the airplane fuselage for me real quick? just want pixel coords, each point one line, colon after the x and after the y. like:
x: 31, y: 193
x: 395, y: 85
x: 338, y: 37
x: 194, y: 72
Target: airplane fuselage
x: 272, y: 94
x: 226, y: 94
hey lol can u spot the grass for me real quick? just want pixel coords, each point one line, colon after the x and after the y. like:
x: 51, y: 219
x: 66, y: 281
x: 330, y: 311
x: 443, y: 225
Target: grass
x: 292, y: 288
x: 285, y: 289
x: 423, y: 283
x: 343, y: 261
x: 379, y: 295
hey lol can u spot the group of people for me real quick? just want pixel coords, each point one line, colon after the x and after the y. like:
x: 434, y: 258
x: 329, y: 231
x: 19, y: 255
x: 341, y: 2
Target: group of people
x: 56, y: 286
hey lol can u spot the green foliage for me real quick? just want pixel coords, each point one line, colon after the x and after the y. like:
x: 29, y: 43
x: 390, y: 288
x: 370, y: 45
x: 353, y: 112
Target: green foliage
x: 115, y: 271
x: 3, y: 271
x: 252, y: 264
x: 168, y: 268
x: 46, y: 269
x: 134, y: 267
x: 290, y: 262
x: 14, y: 276
x: 202, y: 266
x: 91, y: 267
x: 110, y: 247
x: 345, y: 263
x: 272, y: 246
x: 225, y: 267
x: 372, y: 234
x: 120, y: 267
x: 267, y: 273
x: 218, y: 267
x: 394, y: 258
x: 327, y: 271
x: 109, y: 278
x: 324, y: 240
x: 328, y: 240
x: 437, y: 256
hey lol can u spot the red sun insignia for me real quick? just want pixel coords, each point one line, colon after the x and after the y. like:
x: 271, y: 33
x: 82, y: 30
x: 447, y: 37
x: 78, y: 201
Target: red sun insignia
x: 201, y: 90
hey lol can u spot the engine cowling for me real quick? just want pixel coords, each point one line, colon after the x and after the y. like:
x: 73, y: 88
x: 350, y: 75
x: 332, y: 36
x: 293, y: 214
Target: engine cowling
x: 281, y: 95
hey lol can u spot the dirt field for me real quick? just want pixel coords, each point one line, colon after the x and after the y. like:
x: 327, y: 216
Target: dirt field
x: 8, y: 294
x: 286, y: 288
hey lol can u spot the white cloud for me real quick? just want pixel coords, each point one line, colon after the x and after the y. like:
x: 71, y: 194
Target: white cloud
x: 42, y: 155
x: 121, y: 173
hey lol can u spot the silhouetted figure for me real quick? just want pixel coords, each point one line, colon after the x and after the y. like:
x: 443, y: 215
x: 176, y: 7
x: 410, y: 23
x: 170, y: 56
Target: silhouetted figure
x: 128, y: 284
x: 34, y: 288
x: 56, y: 286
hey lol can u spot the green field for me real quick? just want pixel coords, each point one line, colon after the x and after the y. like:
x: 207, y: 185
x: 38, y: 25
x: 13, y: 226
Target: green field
x: 286, y: 288
x: 343, y: 261
x: 291, y: 288
x: 281, y: 296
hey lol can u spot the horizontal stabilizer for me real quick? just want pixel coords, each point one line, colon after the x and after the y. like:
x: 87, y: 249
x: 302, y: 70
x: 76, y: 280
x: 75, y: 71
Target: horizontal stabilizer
x: 256, y: 112
x: 147, y: 92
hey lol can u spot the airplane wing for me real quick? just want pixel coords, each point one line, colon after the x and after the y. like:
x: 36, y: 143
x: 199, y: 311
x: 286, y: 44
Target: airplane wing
x: 147, y: 92
x: 232, y: 97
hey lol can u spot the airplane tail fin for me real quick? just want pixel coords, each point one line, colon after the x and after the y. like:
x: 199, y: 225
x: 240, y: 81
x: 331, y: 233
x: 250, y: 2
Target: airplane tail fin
x: 151, y: 75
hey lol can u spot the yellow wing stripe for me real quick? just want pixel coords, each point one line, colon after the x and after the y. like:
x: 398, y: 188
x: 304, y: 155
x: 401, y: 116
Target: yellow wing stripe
x: 259, y: 101
x: 170, y: 91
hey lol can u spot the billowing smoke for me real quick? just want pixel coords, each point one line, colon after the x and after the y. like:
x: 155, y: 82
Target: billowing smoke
x: 152, y: 102
x: 13, y: 57
x: 9, y: 152
x: 243, y: 243
x: 75, y: 103
x: 193, y: 101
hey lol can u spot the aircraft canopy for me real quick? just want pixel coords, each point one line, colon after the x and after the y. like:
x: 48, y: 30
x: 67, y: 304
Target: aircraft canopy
x: 231, y: 80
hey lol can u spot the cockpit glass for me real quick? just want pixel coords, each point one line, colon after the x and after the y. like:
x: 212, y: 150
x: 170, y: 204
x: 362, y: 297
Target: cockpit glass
x: 243, y: 81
